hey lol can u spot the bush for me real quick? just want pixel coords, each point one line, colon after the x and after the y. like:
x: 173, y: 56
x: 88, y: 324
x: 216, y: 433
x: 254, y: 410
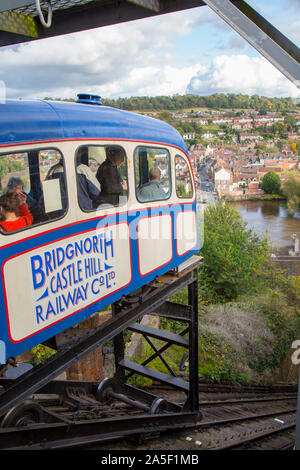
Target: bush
x: 234, y: 256
x: 40, y: 354
x: 271, y: 183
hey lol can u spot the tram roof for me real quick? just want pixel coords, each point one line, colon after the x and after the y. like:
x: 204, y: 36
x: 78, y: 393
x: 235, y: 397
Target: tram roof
x: 23, y: 121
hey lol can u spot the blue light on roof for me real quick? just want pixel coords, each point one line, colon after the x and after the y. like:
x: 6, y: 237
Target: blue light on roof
x: 86, y: 98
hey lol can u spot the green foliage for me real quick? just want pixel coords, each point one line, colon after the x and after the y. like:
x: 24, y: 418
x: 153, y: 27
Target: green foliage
x: 291, y: 189
x: 271, y: 183
x: 41, y: 353
x: 181, y: 190
x: 260, y: 328
x: 215, y: 101
x: 218, y: 360
x: 165, y: 116
x: 155, y: 364
x: 139, y: 380
x: 172, y: 325
x: 180, y: 297
x: 234, y: 256
x: 8, y: 165
x: 279, y: 303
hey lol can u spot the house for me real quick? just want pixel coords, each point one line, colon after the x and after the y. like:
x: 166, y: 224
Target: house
x: 223, y: 179
x: 253, y: 137
x: 292, y: 136
x: 207, y: 135
x: 189, y: 135
x: 253, y: 186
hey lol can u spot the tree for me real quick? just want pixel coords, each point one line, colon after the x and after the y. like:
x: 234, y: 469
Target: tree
x: 165, y: 116
x: 271, y: 183
x: 233, y: 256
x: 290, y: 122
x: 291, y: 189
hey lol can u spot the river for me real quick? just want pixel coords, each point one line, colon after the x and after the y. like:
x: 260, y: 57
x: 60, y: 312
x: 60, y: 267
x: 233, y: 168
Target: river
x: 271, y: 217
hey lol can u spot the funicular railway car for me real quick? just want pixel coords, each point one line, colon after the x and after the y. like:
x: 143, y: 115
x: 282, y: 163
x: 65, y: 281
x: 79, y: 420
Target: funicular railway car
x: 113, y: 205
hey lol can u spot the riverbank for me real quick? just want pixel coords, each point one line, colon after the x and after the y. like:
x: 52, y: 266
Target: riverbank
x: 253, y: 197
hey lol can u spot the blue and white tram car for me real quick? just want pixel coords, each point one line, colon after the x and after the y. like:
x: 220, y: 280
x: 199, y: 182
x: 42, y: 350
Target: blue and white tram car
x: 73, y: 259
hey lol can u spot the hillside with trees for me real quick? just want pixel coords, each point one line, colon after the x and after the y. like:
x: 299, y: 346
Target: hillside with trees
x: 216, y: 101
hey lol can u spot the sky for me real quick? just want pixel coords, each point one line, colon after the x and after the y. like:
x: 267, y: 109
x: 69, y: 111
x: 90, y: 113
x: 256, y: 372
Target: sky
x: 193, y: 51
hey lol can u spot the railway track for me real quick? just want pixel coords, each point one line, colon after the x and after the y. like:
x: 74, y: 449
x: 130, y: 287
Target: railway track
x: 269, y: 439
x: 228, y: 421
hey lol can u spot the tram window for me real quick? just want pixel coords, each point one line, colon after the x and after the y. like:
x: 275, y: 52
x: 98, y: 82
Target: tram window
x: 152, y: 174
x: 184, y: 187
x: 37, y: 178
x: 101, y: 176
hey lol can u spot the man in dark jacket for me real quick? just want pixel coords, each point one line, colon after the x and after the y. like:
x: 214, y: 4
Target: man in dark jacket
x: 109, y: 178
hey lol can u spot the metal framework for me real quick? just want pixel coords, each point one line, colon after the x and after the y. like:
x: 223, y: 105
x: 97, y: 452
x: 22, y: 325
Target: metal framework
x: 13, y: 400
x: 23, y: 20
x: 187, y: 314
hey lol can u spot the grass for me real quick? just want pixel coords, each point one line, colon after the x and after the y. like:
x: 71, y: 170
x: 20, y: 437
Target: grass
x: 248, y: 339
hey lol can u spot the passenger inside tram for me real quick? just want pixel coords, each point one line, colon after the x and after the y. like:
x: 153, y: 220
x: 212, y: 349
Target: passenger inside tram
x: 87, y: 183
x: 16, y: 184
x: 108, y: 175
x: 153, y: 189
x: 14, y: 211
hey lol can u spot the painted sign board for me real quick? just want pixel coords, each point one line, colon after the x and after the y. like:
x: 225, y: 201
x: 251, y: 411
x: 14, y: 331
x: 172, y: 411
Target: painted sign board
x: 63, y: 277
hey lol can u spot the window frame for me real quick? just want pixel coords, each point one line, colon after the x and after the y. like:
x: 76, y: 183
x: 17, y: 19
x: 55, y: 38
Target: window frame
x: 94, y: 209
x: 188, y: 163
x: 169, y: 172
x: 38, y: 150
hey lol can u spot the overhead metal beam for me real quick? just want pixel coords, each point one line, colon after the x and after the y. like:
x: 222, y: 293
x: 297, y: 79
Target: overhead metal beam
x: 99, y: 13
x: 12, y: 22
x: 13, y: 4
x: 273, y: 45
x: 268, y: 28
x: 150, y: 4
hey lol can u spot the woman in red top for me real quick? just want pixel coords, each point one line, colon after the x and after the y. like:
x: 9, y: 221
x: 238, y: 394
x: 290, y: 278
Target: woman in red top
x: 15, y: 212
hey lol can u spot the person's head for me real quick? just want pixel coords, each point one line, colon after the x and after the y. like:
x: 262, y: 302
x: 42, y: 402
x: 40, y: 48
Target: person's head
x: 83, y: 156
x: 15, y: 184
x: 115, y: 155
x: 154, y: 174
x: 9, y: 203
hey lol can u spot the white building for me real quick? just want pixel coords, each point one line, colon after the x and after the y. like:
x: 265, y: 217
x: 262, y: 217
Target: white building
x: 207, y: 135
x: 223, y: 179
x: 189, y: 135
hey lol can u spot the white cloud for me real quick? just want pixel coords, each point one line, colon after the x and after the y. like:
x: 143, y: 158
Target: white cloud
x: 150, y: 81
x: 242, y: 74
x: 114, y: 61
x: 139, y: 58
